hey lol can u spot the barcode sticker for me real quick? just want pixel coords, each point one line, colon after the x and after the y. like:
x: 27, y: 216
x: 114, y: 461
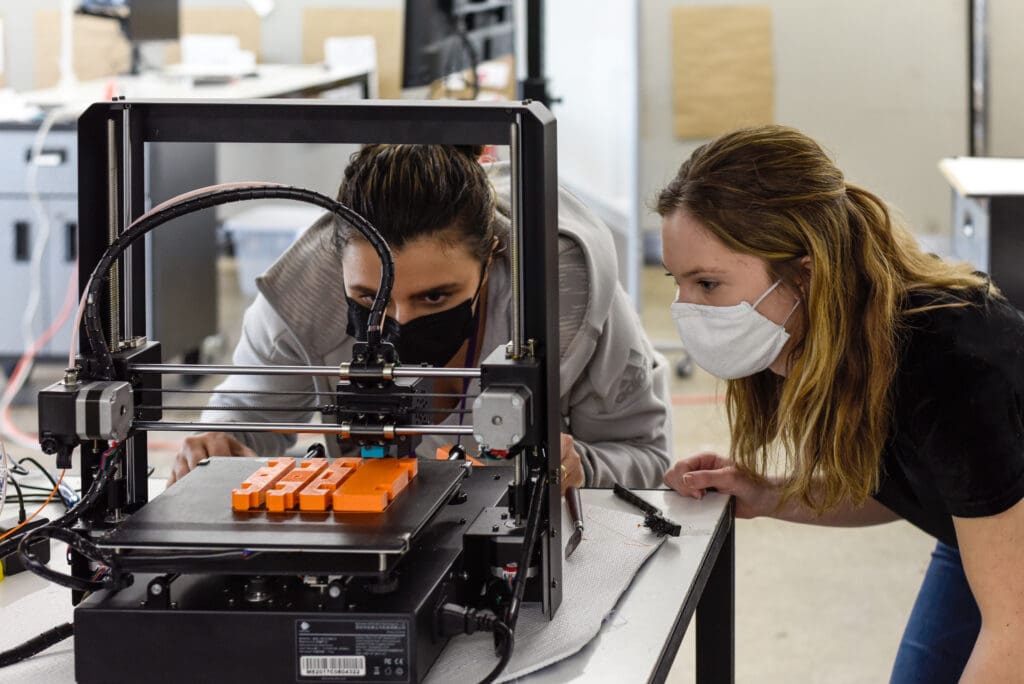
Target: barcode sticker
x: 333, y: 666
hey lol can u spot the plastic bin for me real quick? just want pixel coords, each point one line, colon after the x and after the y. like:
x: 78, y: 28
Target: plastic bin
x: 262, y: 234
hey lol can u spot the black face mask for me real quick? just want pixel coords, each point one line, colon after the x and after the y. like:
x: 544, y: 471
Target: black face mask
x: 432, y: 339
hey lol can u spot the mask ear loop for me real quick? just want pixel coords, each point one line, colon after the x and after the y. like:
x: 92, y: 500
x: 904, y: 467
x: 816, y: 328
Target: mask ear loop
x: 768, y: 292
x: 791, y: 311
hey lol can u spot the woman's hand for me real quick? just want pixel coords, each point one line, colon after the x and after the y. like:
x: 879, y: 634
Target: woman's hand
x: 194, y: 449
x: 695, y: 475
x: 572, y: 466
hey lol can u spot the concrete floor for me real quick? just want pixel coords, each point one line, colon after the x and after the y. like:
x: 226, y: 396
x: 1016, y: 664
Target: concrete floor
x: 812, y: 604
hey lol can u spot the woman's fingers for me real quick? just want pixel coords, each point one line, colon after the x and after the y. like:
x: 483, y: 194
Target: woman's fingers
x: 677, y: 479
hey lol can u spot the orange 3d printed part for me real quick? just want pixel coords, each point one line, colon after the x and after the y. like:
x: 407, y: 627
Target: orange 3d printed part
x: 316, y: 496
x: 253, y: 491
x: 284, y: 495
x: 345, y: 484
x: 374, y: 484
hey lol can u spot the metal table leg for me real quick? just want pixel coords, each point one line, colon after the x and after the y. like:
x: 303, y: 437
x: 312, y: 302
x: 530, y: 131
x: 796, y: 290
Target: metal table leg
x: 716, y: 621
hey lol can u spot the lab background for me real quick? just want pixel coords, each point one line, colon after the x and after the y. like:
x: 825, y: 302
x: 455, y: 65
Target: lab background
x: 890, y: 89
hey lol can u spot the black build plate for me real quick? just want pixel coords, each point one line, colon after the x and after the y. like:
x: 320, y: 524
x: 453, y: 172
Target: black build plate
x: 195, y: 516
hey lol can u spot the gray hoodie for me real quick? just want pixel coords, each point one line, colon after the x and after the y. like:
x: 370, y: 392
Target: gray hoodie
x: 614, y: 385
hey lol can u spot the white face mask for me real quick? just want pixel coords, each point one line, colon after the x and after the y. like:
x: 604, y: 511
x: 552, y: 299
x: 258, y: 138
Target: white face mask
x: 730, y: 341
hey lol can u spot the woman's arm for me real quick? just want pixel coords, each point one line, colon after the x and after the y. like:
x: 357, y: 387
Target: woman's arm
x: 992, y: 549
x: 618, y: 410
x: 264, y: 341
x: 695, y: 475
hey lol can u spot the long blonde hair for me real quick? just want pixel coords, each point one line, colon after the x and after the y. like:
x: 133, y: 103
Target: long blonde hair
x: 772, y: 192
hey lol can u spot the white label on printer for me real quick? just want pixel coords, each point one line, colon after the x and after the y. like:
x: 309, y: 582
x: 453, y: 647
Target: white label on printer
x: 333, y: 666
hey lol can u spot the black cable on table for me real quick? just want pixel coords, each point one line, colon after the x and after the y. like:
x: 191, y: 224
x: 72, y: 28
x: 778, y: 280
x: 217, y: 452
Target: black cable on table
x: 39, y: 465
x: 21, y: 500
x: 36, y: 644
x: 507, y: 640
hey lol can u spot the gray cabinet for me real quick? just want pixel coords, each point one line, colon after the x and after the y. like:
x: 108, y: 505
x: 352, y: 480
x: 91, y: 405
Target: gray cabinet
x: 988, y: 218
x: 181, y: 257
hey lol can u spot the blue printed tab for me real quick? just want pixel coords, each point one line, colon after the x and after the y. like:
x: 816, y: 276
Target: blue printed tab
x: 373, y: 452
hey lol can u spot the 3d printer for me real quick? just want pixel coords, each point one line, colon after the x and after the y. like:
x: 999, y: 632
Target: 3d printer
x: 187, y: 583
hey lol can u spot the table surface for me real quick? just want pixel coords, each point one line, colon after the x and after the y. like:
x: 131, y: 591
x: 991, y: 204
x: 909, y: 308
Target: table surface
x: 270, y: 80
x: 630, y: 644
x: 629, y: 647
x: 984, y: 176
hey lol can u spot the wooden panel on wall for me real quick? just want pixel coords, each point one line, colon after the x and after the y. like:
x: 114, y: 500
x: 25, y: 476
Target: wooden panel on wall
x: 722, y: 69
x: 237, y: 21
x: 320, y: 23
x: 99, y: 49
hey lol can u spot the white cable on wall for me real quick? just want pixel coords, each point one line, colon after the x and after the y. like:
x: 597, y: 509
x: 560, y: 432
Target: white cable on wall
x: 30, y: 343
x: 66, y: 63
x: 3, y: 475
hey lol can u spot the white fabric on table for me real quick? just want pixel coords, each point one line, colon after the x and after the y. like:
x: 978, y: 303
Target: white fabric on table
x: 615, y: 545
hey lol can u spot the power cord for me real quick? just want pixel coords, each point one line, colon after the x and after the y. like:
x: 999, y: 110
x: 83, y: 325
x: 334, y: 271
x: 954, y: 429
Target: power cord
x: 452, y: 619
x: 530, y: 536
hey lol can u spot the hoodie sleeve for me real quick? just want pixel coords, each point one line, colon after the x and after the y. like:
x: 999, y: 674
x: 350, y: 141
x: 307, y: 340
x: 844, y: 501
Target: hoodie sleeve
x: 264, y: 341
x: 617, y: 409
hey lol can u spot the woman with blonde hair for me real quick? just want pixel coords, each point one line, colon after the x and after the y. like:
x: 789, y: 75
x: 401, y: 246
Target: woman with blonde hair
x: 867, y: 382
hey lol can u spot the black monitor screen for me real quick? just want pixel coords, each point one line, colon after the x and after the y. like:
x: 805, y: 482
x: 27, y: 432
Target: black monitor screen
x: 153, y: 19
x: 140, y: 19
x: 443, y: 37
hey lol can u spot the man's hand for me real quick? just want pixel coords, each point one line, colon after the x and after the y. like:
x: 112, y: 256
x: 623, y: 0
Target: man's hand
x: 572, y: 466
x: 206, y: 444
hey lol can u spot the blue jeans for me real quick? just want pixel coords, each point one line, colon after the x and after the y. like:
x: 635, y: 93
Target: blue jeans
x: 943, y: 625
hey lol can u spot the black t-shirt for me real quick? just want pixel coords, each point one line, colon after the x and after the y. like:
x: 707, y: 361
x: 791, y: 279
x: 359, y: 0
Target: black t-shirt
x: 956, y: 443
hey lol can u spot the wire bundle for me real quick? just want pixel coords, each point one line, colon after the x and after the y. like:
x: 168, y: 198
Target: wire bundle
x: 61, y: 529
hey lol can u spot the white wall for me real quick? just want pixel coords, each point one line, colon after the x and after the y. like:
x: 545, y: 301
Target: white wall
x: 591, y: 57
x: 1006, y: 74
x: 881, y: 84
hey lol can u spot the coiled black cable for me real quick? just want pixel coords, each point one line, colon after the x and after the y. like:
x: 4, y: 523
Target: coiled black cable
x: 36, y: 644
x: 217, y: 197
